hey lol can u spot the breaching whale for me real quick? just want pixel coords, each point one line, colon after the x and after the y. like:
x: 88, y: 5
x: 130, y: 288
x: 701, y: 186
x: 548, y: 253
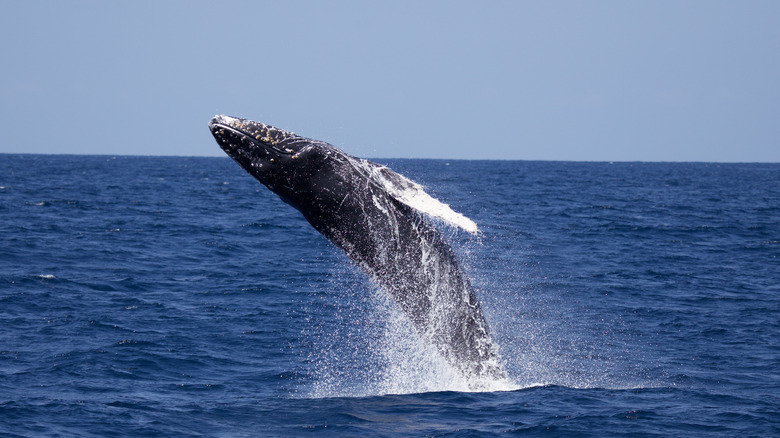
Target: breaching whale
x: 377, y: 217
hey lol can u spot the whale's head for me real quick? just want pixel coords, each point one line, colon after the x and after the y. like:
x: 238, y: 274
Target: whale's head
x: 276, y: 157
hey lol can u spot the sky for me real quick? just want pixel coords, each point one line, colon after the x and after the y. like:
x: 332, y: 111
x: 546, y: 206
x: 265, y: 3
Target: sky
x: 522, y: 80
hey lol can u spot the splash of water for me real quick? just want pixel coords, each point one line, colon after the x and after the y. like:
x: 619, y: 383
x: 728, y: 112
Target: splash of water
x: 411, y: 365
x: 381, y: 353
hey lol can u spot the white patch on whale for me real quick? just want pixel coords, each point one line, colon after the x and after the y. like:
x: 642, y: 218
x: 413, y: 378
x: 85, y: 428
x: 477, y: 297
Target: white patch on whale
x: 412, y: 194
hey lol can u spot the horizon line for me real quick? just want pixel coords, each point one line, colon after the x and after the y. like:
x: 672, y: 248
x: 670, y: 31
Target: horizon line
x: 397, y: 158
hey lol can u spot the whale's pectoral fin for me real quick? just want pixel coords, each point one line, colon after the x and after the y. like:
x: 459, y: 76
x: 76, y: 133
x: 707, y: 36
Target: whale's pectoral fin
x: 412, y: 194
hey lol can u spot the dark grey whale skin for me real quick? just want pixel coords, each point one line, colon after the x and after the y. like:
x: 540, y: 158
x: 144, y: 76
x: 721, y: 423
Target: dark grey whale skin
x: 346, y: 199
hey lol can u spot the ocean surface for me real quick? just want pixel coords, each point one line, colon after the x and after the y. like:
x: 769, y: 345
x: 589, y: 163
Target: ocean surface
x: 172, y: 296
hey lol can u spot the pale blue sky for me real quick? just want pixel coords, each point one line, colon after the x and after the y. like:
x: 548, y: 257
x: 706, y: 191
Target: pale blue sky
x: 550, y: 80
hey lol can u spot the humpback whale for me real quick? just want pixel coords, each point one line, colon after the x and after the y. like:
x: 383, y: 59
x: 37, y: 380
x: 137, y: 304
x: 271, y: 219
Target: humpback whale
x: 378, y: 218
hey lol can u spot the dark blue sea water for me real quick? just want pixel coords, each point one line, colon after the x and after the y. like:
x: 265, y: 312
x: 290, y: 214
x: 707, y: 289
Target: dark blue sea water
x: 179, y: 297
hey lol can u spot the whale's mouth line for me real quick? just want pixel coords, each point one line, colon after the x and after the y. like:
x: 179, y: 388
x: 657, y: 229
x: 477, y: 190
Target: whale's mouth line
x: 247, y: 136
